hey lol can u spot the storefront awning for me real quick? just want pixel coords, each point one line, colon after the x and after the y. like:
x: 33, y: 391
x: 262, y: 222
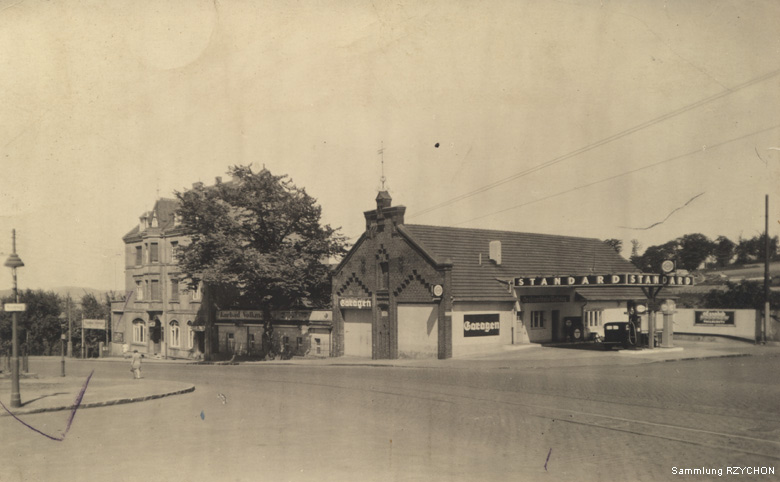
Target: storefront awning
x: 616, y: 293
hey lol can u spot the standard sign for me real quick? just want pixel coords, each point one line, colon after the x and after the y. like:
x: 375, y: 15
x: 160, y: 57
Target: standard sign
x: 93, y: 324
x: 643, y: 279
x: 10, y: 307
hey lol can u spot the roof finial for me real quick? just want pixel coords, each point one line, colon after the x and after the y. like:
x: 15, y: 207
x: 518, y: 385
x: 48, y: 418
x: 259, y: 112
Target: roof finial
x: 381, y: 153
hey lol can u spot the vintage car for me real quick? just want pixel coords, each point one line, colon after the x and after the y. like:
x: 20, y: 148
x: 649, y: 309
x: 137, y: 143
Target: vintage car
x: 620, y: 333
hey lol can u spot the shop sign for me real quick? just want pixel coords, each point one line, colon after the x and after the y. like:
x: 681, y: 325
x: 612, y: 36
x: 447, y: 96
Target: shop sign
x: 481, y: 325
x: 355, y: 303
x: 636, y: 279
x: 93, y: 324
x: 714, y: 317
x: 545, y: 299
x: 239, y: 315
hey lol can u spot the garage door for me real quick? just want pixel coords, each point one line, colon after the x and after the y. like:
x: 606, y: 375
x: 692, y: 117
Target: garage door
x: 418, y: 331
x: 357, y: 333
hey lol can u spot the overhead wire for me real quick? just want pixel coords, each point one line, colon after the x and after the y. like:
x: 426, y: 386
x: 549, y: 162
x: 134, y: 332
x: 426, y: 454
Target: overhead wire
x: 599, y: 143
x: 616, y: 176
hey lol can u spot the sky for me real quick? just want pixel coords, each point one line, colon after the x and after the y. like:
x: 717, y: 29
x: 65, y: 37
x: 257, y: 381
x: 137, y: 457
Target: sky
x: 582, y: 118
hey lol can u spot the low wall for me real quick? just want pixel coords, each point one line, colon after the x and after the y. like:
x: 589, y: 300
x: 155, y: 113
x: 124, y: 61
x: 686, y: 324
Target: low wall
x: 728, y: 323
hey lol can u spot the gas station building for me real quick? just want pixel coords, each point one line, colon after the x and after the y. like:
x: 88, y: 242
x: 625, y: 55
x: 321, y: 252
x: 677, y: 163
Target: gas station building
x: 412, y: 291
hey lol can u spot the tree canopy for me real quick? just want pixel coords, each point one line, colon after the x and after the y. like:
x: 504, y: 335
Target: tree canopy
x: 257, y: 240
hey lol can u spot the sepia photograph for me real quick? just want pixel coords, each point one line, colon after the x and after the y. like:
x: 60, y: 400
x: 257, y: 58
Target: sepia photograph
x: 439, y: 240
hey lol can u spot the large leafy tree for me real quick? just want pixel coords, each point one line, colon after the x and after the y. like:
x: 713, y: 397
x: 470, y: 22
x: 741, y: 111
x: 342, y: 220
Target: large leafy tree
x: 754, y: 249
x: 94, y: 309
x: 39, y: 324
x: 650, y: 261
x: 723, y: 251
x: 694, y: 249
x: 257, y: 241
x: 742, y: 295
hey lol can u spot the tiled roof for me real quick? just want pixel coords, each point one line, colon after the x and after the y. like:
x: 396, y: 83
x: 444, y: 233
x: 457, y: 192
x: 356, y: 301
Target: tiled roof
x: 523, y: 254
x: 164, y: 210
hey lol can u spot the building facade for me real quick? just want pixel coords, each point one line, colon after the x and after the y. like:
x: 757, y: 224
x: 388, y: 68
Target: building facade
x: 429, y: 291
x: 157, y: 316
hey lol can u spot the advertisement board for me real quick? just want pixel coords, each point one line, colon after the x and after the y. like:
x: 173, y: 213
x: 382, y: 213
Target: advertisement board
x: 714, y: 317
x: 481, y: 325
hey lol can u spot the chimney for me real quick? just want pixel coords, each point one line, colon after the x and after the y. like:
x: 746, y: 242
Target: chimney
x: 219, y: 179
x: 495, y: 252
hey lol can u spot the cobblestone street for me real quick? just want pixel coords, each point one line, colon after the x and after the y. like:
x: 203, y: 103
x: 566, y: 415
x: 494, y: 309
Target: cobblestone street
x: 283, y: 422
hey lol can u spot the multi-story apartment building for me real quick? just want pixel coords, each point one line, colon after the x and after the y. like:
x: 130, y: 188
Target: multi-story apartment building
x: 158, y: 313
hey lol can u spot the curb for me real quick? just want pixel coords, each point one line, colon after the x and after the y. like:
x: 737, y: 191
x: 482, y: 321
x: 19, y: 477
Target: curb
x: 105, y: 403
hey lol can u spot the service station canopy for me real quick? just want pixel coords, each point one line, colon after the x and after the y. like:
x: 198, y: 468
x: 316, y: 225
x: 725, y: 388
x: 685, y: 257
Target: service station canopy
x: 640, y: 280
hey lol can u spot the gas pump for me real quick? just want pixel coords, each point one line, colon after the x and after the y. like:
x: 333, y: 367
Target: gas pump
x: 634, y: 327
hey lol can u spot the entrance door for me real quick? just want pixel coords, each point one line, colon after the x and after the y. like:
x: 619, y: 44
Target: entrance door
x: 357, y: 333
x: 383, y: 335
x: 418, y: 332
x: 557, y: 329
x: 156, y: 335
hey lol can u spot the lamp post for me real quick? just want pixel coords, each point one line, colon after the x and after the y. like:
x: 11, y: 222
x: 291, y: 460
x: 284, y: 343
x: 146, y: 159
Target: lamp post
x: 63, y: 337
x: 13, y: 262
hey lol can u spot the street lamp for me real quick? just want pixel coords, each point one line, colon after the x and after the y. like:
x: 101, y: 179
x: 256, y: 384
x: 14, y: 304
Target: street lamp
x: 13, y: 262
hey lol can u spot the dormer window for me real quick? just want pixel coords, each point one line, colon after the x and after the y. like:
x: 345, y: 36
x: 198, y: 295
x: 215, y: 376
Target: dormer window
x: 154, y: 220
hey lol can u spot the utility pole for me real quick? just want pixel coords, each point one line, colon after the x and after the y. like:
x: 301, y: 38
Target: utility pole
x: 70, y: 329
x: 766, y: 270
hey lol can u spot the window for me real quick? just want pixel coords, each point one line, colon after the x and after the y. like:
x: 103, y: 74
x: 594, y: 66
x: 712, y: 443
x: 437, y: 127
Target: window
x: 174, y: 289
x: 154, y: 253
x: 593, y: 318
x: 139, y: 291
x: 174, y: 339
x: 384, y: 276
x: 190, y: 336
x: 198, y: 293
x: 537, y: 319
x: 155, y: 294
x: 138, y: 331
x: 139, y: 255
x: 174, y: 250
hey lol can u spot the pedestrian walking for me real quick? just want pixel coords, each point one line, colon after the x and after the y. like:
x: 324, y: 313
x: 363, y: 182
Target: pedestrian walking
x: 135, y: 364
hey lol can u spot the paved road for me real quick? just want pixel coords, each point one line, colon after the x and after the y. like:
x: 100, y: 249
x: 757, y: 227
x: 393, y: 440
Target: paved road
x: 495, y: 422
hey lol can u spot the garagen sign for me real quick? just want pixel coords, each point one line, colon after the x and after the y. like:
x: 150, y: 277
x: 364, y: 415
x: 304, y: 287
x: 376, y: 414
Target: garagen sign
x: 624, y: 279
x: 354, y: 303
x: 481, y: 325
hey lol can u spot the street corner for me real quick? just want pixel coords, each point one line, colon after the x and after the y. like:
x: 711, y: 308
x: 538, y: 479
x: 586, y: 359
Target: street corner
x: 55, y: 394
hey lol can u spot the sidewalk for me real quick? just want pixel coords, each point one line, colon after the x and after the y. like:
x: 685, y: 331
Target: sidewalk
x: 52, y: 394
x: 539, y: 357
x: 61, y: 393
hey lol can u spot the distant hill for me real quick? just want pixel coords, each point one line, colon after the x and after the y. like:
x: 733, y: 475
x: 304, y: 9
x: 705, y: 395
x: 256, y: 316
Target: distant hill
x: 75, y: 292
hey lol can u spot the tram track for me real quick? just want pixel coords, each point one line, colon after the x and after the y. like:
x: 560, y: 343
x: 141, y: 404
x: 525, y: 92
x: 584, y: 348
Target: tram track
x: 734, y: 440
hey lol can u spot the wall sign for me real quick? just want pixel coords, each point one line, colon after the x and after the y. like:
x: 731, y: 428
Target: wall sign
x: 481, y: 325
x: 355, y: 303
x: 636, y: 279
x: 714, y: 317
x: 239, y: 315
x: 545, y: 299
